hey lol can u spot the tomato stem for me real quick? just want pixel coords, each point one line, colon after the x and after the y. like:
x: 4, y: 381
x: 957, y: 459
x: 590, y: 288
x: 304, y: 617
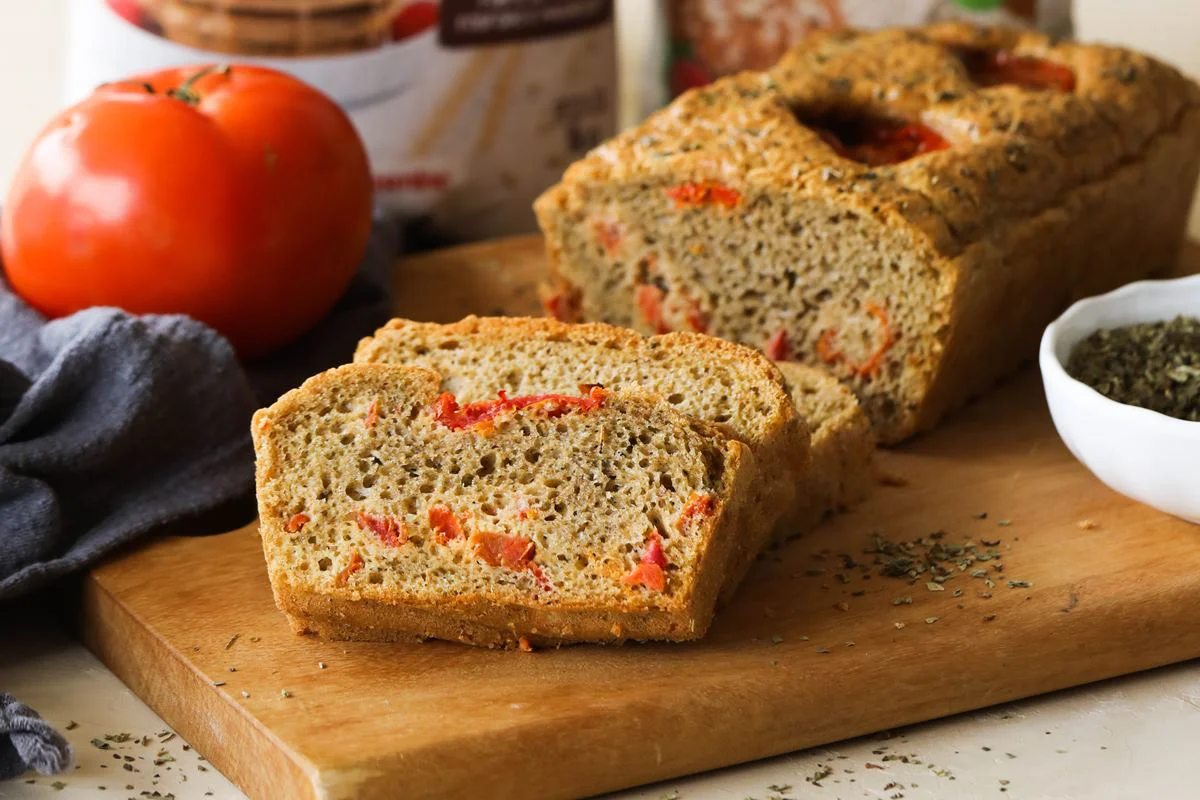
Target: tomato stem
x: 185, y: 90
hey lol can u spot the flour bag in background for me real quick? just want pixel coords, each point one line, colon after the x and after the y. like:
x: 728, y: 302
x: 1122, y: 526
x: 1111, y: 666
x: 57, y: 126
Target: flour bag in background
x: 704, y: 39
x: 468, y: 108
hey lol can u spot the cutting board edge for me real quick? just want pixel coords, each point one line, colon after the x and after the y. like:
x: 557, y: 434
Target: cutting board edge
x: 381, y: 777
x: 143, y: 662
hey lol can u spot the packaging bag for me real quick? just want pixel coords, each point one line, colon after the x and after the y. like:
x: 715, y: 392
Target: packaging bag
x: 468, y: 108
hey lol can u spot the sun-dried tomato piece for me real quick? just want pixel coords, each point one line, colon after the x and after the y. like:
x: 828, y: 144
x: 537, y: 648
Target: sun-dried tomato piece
x: 445, y: 525
x: 372, y: 415
x: 608, y: 234
x: 563, y: 305
x: 649, y: 300
x: 696, y: 509
x: 703, y: 193
x: 523, y: 645
x: 539, y: 576
x: 447, y: 411
x: 826, y: 350
x: 777, y: 347
x: 356, y: 563
x: 651, y: 570
x: 503, y: 550
x: 829, y: 353
x: 1004, y: 67
x: 296, y: 523
x: 390, y: 530
x: 696, y: 319
x: 870, y: 368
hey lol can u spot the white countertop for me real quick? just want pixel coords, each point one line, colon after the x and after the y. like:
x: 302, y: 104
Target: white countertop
x: 1134, y: 737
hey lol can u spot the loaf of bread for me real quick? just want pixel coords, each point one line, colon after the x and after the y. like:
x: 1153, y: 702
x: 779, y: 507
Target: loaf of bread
x: 908, y: 208
x: 706, y: 378
x: 391, y: 510
x: 841, y: 448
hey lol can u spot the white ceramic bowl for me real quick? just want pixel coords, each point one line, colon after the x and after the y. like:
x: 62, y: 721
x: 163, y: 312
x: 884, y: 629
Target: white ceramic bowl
x: 1150, y: 457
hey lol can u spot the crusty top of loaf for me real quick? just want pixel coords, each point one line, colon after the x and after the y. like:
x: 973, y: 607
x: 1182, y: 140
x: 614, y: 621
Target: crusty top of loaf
x: 1013, y: 151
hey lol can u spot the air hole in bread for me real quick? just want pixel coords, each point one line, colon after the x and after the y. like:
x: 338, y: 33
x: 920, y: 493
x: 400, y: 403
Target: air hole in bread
x: 675, y: 398
x: 872, y: 140
x: 533, y: 455
x: 369, y: 480
x: 666, y: 482
x: 375, y: 577
x: 551, y: 483
x: 488, y: 508
x: 449, y: 344
x: 324, y: 564
x: 487, y: 465
x: 355, y: 492
x: 427, y: 487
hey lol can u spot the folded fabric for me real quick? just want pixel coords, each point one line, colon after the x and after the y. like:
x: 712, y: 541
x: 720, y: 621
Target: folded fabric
x: 28, y: 742
x: 114, y: 425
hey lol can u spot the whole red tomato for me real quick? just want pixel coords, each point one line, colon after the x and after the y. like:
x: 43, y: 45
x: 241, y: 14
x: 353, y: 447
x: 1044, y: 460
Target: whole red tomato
x: 237, y: 195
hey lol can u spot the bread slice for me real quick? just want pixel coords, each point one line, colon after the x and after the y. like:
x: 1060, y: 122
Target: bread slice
x: 706, y: 378
x: 389, y: 511
x: 842, y: 448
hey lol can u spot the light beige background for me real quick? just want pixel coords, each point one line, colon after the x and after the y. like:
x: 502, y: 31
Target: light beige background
x: 1125, y: 739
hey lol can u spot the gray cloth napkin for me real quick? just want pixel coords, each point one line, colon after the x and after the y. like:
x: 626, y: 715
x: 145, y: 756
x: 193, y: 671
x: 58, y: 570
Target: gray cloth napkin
x: 28, y: 742
x: 113, y: 426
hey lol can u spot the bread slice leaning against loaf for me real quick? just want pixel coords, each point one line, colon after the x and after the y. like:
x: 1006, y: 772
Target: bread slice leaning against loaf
x: 388, y: 510
x: 842, y: 448
x: 706, y: 378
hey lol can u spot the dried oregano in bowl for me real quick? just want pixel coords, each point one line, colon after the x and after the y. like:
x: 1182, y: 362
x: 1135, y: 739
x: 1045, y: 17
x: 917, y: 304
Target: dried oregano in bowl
x: 1154, y: 365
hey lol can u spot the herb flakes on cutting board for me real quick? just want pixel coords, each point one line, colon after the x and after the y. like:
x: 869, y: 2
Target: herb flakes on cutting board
x: 1152, y: 365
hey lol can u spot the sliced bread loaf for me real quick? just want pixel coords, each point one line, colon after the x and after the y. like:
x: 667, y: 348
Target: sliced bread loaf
x: 703, y: 377
x: 842, y: 448
x: 908, y: 208
x: 388, y: 510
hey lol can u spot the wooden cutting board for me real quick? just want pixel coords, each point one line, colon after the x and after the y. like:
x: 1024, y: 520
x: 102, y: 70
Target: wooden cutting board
x: 802, y: 656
